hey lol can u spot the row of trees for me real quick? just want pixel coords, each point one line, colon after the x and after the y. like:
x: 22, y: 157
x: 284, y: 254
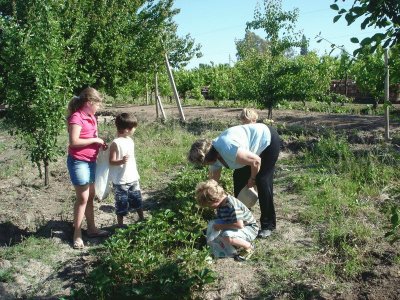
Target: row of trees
x: 52, y: 49
x: 268, y: 72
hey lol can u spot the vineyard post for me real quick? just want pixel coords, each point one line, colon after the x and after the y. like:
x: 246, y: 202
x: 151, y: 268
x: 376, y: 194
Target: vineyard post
x: 158, y: 99
x: 386, y: 100
x: 173, y: 86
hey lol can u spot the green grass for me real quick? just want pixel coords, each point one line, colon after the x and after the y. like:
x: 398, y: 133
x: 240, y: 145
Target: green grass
x: 161, y: 148
x: 281, y: 271
x: 44, y: 250
x: 7, y: 146
x: 339, y: 187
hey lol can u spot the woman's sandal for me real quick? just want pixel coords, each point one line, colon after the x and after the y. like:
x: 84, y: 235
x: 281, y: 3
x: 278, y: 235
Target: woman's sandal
x: 78, y: 244
x: 98, y: 233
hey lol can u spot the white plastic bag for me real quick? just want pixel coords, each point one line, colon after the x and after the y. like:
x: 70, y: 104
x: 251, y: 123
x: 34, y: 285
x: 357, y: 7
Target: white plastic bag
x: 102, y: 182
x: 211, y: 232
x: 219, y: 248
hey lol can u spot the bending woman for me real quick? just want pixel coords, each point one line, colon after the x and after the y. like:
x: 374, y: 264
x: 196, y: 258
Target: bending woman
x: 252, y: 151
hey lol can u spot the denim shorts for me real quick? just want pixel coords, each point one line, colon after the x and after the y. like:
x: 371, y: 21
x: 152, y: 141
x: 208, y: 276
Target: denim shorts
x: 81, y: 172
x: 127, y: 197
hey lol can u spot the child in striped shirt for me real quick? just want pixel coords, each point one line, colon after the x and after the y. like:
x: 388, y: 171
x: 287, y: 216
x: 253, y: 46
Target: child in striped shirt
x: 236, y: 222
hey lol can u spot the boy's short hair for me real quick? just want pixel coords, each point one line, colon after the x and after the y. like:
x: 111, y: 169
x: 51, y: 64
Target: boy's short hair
x: 125, y: 121
x: 208, y: 192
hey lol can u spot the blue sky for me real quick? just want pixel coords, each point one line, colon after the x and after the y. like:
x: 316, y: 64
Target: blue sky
x: 216, y: 24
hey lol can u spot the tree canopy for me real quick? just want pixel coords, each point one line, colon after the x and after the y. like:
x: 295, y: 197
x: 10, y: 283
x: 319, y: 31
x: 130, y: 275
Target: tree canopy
x: 52, y: 49
x: 382, y: 14
x: 250, y: 44
x: 278, y: 25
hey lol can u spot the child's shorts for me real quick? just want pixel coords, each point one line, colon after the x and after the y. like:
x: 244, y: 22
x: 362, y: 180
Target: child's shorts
x: 127, y: 197
x: 81, y: 172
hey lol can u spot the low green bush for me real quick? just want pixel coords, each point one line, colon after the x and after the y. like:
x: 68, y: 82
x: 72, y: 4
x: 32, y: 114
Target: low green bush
x: 163, y: 257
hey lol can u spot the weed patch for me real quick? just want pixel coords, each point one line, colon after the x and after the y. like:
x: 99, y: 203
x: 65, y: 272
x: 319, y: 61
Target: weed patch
x: 339, y: 187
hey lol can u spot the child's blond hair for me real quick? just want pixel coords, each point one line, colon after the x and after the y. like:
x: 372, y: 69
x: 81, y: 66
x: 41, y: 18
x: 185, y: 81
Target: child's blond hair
x: 248, y: 115
x: 208, y: 192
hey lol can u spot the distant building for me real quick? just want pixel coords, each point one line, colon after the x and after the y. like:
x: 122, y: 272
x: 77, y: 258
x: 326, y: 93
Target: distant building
x: 350, y: 89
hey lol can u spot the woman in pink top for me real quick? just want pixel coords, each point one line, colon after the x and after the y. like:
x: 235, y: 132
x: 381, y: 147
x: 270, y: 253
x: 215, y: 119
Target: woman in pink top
x: 84, y: 145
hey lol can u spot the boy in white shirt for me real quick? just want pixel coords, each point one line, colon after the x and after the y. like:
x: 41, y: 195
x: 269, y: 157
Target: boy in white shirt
x: 123, y: 170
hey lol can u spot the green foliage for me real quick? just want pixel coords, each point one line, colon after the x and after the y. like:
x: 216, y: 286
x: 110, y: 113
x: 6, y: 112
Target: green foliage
x: 161, y: 258
x: 379, y: 14
x: 33, y: 59
x: 273, y: 80
x: 278, y: 25
x: 251, y: 44
x: 369, y: 72
x: 338, y: 184
x: 394, y: 231
x: 221, y: 86
x: 188, y: 83
x: 334, y: 98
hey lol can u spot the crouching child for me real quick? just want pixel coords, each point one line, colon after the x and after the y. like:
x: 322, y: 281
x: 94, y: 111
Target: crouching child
x: 235, y: 221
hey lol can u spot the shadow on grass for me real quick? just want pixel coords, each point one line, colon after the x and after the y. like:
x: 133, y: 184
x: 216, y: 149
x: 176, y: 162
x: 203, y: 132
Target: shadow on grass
x: 11, y: 234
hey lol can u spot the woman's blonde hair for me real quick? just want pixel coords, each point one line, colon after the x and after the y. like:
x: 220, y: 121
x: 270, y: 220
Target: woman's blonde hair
x: 202, y: 152
x: 248, y: 115
x: 208, y: 192
x: 88, y: 94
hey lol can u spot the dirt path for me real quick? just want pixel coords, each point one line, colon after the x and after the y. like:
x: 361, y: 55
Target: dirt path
x: 289, y: 117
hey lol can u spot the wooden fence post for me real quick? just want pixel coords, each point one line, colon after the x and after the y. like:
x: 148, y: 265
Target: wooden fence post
x: 386, y: 100
x: 173, y: 86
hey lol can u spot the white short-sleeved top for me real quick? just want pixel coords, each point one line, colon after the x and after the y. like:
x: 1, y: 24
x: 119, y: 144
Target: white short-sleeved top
x: 255, y: 137
x: 126, y: 173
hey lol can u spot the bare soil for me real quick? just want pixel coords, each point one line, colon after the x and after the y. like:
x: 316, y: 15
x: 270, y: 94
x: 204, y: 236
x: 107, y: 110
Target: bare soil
x: 29, y: 209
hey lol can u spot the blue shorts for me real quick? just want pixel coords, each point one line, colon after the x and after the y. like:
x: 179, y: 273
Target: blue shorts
x: 81, y: 172
x: 127, y: 197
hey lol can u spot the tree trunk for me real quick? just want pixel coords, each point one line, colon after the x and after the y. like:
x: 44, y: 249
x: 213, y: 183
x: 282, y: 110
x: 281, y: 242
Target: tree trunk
x: 270, y: 112
x: 46, y: 172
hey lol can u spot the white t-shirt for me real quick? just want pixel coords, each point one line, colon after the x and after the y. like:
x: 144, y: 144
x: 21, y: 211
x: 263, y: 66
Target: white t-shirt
x: 126, y: 173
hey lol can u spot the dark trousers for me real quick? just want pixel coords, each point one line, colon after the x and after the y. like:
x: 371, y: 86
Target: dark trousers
x: 264, y: 181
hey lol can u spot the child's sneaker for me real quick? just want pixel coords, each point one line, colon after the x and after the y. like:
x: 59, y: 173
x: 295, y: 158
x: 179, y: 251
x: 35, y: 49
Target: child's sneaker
x: 244, y: 254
